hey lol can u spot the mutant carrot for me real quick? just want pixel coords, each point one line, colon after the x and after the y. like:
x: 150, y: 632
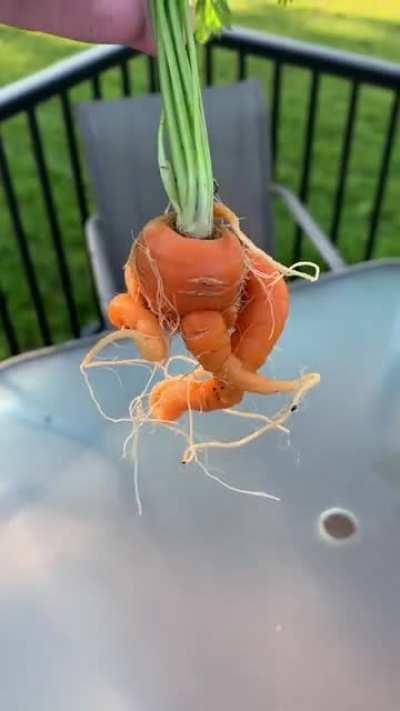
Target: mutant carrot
x: 192, y: 270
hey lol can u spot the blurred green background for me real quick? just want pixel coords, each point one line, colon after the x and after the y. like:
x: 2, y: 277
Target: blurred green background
x: 364, y: 26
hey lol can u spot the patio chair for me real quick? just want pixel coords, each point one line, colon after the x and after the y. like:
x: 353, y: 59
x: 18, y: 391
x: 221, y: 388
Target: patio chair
x: 119, y: 138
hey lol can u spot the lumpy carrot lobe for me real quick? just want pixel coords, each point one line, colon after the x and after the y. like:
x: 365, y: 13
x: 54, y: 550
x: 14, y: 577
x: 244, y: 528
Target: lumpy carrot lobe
x: 190, y: 274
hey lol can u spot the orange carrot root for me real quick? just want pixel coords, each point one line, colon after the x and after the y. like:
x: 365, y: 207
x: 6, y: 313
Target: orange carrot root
x: 178, y: 275
x: 127, y: 311
x: 228, y: 299
x: 171, y: 398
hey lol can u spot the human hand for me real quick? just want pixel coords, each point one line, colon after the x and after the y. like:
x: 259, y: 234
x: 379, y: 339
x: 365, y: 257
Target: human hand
x: 98, y: 21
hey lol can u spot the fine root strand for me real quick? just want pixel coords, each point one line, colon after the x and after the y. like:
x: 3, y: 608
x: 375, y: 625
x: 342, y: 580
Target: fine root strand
x: 140, y: 414
x: 277, y: 421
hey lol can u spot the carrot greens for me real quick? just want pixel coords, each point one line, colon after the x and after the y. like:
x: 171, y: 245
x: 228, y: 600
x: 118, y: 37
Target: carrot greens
x: 183, y: 147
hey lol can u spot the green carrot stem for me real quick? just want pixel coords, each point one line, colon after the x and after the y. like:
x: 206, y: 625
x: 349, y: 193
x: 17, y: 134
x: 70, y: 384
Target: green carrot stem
x: 184, y: 159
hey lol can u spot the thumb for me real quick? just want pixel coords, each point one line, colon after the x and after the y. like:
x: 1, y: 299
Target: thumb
x: 143, y: 38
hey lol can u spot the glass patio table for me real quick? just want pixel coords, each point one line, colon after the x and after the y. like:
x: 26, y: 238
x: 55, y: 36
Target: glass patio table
x: 210, y: 600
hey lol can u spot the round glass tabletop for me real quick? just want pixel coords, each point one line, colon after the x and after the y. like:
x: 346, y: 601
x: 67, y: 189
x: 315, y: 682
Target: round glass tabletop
x: 210, y: 600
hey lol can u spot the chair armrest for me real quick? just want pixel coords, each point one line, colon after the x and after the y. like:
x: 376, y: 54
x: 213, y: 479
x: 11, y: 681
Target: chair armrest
x: 303, y: 219
x: 103, y: 277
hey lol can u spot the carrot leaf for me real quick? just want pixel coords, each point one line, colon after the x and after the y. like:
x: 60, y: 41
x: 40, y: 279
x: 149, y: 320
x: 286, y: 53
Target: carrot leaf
x: 211, y: 17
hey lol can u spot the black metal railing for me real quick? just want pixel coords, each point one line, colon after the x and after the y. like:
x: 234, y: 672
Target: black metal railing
x: 56, y: 84
x: 359, y: 70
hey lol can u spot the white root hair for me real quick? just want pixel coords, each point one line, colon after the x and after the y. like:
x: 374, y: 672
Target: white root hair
x: 139, y: 414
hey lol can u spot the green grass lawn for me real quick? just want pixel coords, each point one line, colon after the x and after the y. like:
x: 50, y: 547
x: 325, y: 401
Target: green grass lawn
x: 356, y: 25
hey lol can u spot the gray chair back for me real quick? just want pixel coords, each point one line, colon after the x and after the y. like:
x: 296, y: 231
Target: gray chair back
x: 120, y: 144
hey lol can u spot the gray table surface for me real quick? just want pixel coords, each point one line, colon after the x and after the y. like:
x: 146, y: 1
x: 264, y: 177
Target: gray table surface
x: 209, y: 601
